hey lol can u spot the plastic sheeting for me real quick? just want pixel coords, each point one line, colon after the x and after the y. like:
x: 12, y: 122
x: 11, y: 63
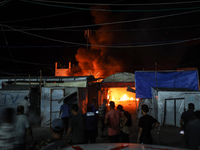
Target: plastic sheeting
x: 54, y: 93
x: 144, y: 81
x: 168, y: 105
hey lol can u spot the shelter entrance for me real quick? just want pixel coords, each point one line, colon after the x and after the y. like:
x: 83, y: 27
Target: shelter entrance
x: 173, y: 110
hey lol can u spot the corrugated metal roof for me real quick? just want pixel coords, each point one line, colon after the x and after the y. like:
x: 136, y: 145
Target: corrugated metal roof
x: 17, y: 87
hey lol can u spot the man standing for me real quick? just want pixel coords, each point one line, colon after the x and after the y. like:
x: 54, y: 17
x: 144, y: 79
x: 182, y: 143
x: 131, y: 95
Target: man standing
x: 187, y: 115
x: 192, y: 132
x: 112, y: 119
x: 64, y: 110
x: 22, y: 126
x: 146, y: 123
x: 76, y: 126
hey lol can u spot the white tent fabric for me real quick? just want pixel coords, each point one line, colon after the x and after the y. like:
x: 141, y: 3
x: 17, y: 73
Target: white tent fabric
x: 168, y: 104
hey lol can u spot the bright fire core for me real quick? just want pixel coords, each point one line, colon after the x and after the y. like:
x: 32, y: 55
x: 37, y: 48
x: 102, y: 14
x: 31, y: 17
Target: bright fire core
x: 119, y: 95
x: 122, y: 97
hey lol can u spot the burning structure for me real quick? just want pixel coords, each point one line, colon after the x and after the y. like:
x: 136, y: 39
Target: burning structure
x: 119, y: 88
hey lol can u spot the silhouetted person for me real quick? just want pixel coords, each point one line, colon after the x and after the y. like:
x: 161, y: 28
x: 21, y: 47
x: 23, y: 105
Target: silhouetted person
x: 112, y: 119
x: 94, y: 105
x: 91, y: 125
x: 75, y: 130
x: 187, y: 115
x: 7, y: 131
x: 22, y: 126
x: 125, y: 130
x: 146, y: 124
x: 102, y: 113
x: 54, y: 142
x: 64, y: 113
x: 192, y: 132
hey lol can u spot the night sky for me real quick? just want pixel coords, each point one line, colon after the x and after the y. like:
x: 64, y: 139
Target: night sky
x: 131, y: 36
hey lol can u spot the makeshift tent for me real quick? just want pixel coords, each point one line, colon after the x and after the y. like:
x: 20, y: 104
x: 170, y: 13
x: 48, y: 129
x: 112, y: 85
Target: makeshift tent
x: 144, y: 81
x: 169, y: 103
x: 51, y: 102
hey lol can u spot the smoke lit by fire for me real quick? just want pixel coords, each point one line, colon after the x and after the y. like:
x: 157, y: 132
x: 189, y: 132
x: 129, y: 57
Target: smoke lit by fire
x: 94, y: 60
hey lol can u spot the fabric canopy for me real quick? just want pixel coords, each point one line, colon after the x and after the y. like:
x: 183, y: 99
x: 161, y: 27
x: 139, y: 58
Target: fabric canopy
x: 144, y: 81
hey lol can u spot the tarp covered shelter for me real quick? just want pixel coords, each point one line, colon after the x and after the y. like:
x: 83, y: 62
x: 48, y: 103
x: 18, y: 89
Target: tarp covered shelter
x: 145, y: 80
x: 169, y: 103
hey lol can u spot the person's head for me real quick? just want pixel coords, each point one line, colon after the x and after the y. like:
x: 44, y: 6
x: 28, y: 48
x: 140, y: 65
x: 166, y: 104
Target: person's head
x: 112, y: 104
x: 8, y: 115
x: 120, y: 108
x: 20, y: 109
x: 145, y: 108
x: 74, y: 109
x: 191, y: 106
x: 57, y: 128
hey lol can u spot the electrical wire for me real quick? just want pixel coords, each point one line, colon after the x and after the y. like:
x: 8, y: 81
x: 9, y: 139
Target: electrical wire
x: 145, y: 4
x: 4, y: 2
x: 98, y: 30
x: 24, y: 62
x: 41, y: 17
x: 123, y: 45
x: 109, y: 10
x: 129, y: 21
x: 4, y: 36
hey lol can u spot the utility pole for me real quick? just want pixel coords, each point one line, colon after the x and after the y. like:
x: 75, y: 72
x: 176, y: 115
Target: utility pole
x: 87, y: 36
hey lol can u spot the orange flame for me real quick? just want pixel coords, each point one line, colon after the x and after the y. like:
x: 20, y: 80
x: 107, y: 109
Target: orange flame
x: 122, y: 97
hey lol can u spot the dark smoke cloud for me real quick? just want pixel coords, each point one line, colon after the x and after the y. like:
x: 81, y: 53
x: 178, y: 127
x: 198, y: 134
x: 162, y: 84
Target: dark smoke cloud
x: 104, y: 61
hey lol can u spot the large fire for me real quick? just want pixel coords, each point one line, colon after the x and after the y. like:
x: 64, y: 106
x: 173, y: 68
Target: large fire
x: 122, y: 97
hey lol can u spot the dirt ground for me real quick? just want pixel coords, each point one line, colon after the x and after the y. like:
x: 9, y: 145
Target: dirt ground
x: 166, y: 136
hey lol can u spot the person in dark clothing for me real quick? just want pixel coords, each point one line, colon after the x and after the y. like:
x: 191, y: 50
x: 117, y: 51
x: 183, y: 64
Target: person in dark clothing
x: 75, y: 130
x: 187, y: 115
x: 192, y: 132
x: 146, y: 124
x: 102, y: 113
x: 91, y: 126
x: 94, y: 105
x: 125, y: 130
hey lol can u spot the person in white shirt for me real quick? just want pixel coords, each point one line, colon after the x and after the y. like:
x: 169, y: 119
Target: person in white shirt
x: 22, y: 126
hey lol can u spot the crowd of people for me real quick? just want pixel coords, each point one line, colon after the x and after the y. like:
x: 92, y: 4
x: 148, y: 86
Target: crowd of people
x: 83, y: 128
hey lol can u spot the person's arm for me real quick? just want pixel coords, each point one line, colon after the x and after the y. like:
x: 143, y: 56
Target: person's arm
x: 181, y: 123
x: 125, y: 120
x: 155, y: 125
x: 106, y: 121
x: 60, y: 113
x: 139, y: 135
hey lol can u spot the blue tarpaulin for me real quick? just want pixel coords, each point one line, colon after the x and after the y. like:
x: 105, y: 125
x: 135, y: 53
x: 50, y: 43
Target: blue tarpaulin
x: 144, y: 81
